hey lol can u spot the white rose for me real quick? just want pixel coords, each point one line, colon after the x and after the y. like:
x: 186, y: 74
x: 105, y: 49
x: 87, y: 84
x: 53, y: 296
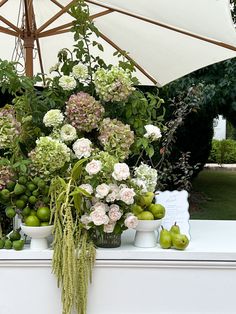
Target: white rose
x: 100, y: 206
x: 111, y: 197
x: 99, y: 217
x: 80, y: 71
x: 53, y: 118
x: 82, y: 148
x: 85, y: 220
x: 121, y: 171
x: 87, y: 187
x: 67, y: 82
x: 131, y: 221
x: 114, y: 212
x: 93, y: 167
x: 102, y: 190
x: 68, y: 133
x: 127, y: 195
x: 153, y: 132
x: 109, y: 228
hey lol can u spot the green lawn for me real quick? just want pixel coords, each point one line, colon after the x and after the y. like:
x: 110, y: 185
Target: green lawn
x: 217, y: 197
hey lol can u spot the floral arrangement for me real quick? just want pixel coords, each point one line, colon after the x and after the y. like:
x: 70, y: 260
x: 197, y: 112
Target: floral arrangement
x: 82, y: 148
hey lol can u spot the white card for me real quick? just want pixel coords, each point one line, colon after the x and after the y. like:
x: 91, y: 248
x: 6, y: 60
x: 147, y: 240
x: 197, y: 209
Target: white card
x: 176, y: 205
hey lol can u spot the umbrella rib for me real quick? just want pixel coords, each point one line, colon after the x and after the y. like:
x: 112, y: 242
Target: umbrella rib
x: 5, y: 21
x: 8, y: 31
x: 56, y: 16
x: 141, y: 69
x: 212, y: 41
x: 3, y: 2
x: 53, y: 31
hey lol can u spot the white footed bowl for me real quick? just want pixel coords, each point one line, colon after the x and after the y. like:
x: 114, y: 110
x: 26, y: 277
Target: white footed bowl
x: 146, y: 233
x: 38, y: 236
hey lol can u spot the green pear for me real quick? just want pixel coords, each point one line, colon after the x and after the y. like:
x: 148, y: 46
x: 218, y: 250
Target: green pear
x: 157, y: 210
x: 179, y: 241
x: 165, y: 238
x: 145, y: 215
x: 136, y: 209
x: 146, y: 199
x: 175, y: 228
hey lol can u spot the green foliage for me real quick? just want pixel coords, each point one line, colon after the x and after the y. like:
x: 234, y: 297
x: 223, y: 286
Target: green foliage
x: 223, y: 152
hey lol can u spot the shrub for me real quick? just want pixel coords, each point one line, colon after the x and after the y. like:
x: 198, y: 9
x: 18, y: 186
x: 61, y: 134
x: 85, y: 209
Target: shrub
x: 223, y: 152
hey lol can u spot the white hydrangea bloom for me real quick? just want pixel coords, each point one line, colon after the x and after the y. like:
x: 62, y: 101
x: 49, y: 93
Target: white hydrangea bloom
x: 147, y: 174
x: 67, y: 82
x: 152, y: 132
x: 53, y: 118
x: 68, y: 133
x: 80, y: 71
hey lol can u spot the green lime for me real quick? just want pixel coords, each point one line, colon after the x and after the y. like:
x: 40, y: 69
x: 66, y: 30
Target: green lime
x: 19, y: 189
x: 46, y: 199
x: 28, y: 193
x: 44, y: 224
x: 11, y: 185
x: 8, y: 244
x: 18, y: 245
x: 31, y: 187
x: 35, y: 193
x: 22, y: 180
x: 24, y: 198
x: 33, y: 212
x: 36, y: 180
x: 41, y: 184
x: 32, y: 221
x: 5, y: 194
x: 15, y: 235
x: 10, y: 212
x: 44, y: 213
x: 2, y: 243
x: 20, y: 204
x: 26, y: 211
x: 32, y: 199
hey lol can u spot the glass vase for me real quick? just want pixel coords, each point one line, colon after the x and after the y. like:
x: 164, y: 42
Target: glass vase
x: 107, y: 240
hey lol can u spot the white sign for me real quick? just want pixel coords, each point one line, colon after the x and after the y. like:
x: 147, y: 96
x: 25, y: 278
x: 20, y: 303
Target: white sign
x: 176, y: 205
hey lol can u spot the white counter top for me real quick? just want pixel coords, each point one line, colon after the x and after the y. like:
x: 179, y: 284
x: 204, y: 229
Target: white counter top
x: 211, y: 240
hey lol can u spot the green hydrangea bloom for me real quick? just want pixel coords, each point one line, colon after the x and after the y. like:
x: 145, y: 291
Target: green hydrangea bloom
x: 49, y: 156
x: 10, y: 128
x: 116, y: 138
x: 114, y: 84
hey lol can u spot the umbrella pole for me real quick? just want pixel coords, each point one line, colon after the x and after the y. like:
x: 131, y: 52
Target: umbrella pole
x: 28, y: 38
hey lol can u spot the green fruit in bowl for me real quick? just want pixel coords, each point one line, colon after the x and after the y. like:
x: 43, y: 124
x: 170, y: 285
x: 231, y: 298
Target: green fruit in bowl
x: 32, y: 221
x: 20, y: 204
x: 26, y: 211
x: 165, y: 238
x: 31, y: 187
x: 44, y: 213
x: 146, y: 199
x: 33, y: 212
x: 179, y: 241
x: 145, y: 215
x: 136, y: 209
x: 5, y: 194
x: 157, y: 210
x: 22, y: 180
x: 19, y: 189
x: 44, y: 224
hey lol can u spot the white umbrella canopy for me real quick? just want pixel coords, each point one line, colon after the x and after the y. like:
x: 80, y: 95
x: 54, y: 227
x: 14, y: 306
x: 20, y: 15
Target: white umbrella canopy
x: 166, y: 39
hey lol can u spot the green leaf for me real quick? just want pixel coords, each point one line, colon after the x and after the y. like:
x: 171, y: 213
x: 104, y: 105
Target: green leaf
x: 77, y: 169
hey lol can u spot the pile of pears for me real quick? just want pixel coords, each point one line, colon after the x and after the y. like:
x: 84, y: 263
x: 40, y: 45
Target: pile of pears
x: 13, y: 241
x: 173, y: 238
x: 23, y: 195
x: 145, y: 209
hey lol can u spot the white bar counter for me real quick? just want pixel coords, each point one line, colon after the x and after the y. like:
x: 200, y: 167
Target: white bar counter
x: 130, y: 280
